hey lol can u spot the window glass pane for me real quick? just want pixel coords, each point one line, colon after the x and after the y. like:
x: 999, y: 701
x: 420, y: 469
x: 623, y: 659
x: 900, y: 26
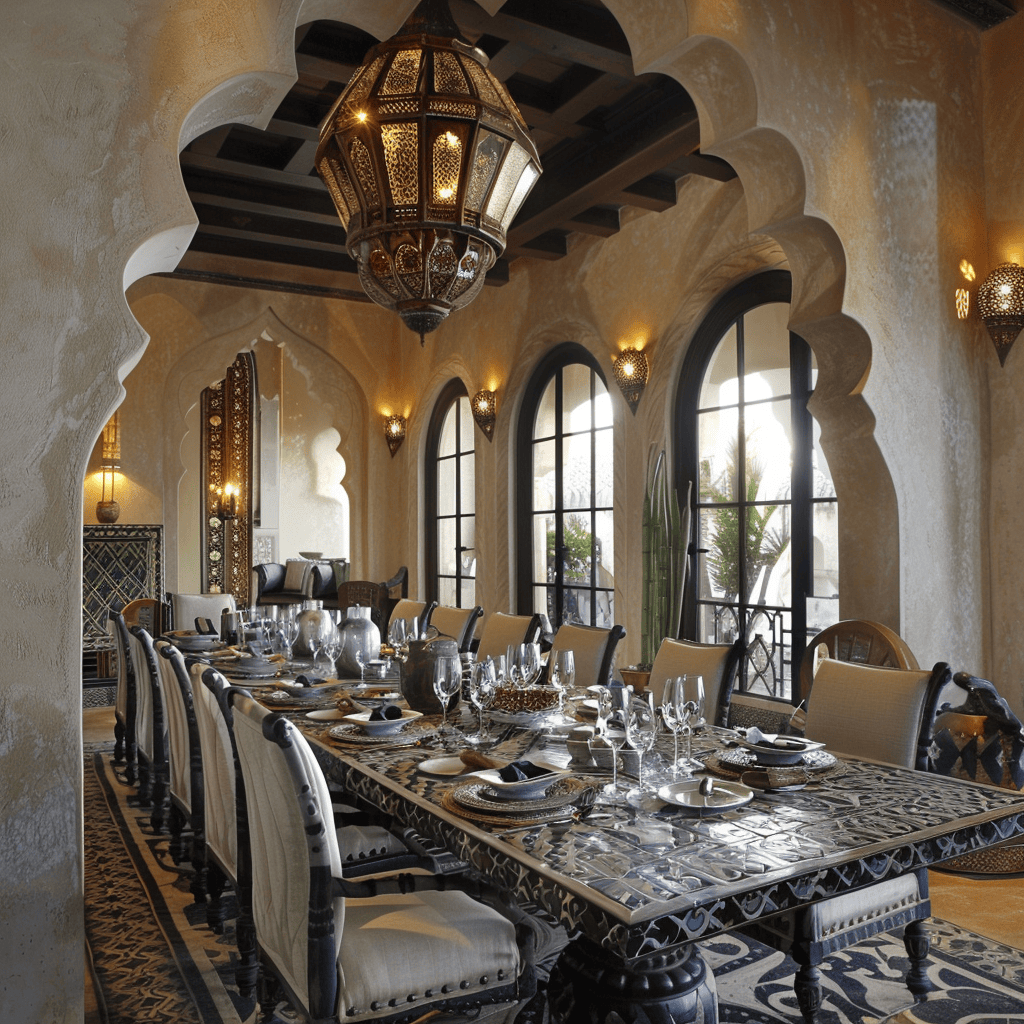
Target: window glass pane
x: 446, y: 591
x: 720, y: 387
x: 821, y: 476
x: 543, y: 541
x: 768, y: 469
x: 446, y: 546
x: 466, y: 437
x: 768, y: 555
x: 604, y: 609
x: 544, y: 475
x: 576, y: 478
x: 766, y: 351
x: 467, y: 497
x: 446, y: 445
x: 576, y: 606
x: 446, y: 487
x: 717, y: 454
x: 604, y: 468
x: 717, y: 624
x: 602, y: 404
x: 468, y: 593
x: 543, y: 602
x: 544, y: 426
x: 825, y: 556
x: 577, y: 409
x: 604, y: 549
x: 468, y: 524
x: 718, y: 534
x: 579, y: 546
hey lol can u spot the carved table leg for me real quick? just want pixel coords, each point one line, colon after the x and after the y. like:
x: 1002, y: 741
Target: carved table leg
x: 591, y: 986
x: 915, y: 938
x: 807, y: 985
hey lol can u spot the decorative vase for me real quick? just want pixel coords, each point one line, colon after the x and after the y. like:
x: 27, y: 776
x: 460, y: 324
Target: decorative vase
x: 107, y: 511
x: 312, y: 617
x: 418, y: 673
x: 360, y: 642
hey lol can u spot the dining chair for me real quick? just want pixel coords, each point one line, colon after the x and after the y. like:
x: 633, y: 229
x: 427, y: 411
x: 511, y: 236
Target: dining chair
x: 717, y: 663
x: 364, y: 594
x: 336, y: 951
x: 125, y: 706
x: 593, y: 648
x: 186, y: 608
x: 458, y: 623
x: 406, y: 609
x: 185, y: 766
x: 883, y: 714
x: 501, y: 629
x: 150, y: 727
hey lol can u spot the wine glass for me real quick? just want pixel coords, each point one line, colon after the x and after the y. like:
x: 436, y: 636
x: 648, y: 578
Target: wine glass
x: 562, y: 676
x: 512, y: 666
x: 331, y: 649
x: 316, y: 634
x: 289, y: 634
x: 398, y: 633
x: 669, y: 707
x: 500, y: 662
x: 447, y: 683
x: 690, y: 709
x: 483, y: 687
x: 641, y: 731
x: 529, y: 665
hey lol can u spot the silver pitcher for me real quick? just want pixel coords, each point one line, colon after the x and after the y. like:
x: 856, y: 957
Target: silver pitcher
x: 312, y: 615
x: 360, y: 642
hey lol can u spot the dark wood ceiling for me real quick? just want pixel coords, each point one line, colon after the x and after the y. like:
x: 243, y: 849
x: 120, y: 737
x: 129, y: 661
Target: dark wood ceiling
x: 608, y: 140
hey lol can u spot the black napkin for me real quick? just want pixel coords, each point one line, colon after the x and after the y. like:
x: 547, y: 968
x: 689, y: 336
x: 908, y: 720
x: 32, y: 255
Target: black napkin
x: 386, y: 713
x: 301, y: 680
x: 520, y: 771
x: 205, y: 626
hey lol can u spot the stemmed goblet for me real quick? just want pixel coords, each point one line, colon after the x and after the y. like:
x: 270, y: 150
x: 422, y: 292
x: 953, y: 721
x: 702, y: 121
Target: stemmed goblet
x: 562, y: 677
x: 529, y: 664
x: 447, y: 683
x: 316, y: 634
x: 512, y: 666
x: 483, y: 689
x: 690, y: 709
x: 641, y: 731
x: 670, y: 715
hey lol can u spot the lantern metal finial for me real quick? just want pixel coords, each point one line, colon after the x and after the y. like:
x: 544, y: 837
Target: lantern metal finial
x: 428, y: 160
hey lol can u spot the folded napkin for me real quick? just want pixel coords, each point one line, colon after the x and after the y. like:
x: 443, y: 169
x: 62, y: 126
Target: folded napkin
x: 475, y: 759
x: 759, y: 739
x: 520, y: 771
x: 386, y: 713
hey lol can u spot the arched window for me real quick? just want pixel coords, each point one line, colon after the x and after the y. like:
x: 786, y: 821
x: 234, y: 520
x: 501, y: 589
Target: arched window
x: 765, y: 516
x: 451, y: 500
x: 566, y: 547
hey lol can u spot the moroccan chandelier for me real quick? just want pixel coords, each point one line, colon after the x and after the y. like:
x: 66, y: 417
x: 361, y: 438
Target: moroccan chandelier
x: 428, y: 160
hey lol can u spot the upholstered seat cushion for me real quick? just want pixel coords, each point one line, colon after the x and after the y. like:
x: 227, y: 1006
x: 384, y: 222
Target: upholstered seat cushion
x: 826, y: 921
x: 296, y: 575
x: 381, y: 957
x: 357, y: 842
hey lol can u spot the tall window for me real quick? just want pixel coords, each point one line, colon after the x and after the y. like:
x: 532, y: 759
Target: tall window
x: 451, y: 500
x: 566, y: 537
x: 764, y: 506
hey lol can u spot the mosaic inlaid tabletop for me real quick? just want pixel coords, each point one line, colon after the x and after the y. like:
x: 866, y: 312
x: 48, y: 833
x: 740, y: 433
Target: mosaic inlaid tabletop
x: 641, y: 875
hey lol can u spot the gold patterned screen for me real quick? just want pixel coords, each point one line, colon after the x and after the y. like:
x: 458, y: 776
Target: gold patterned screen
x: 229, y: 453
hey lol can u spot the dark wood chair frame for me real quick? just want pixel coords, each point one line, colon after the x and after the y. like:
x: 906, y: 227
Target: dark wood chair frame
x: 125, y: 740
x: 153, y: 774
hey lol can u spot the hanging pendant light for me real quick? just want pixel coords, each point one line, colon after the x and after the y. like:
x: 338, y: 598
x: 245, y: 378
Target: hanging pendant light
x: 428, y: 160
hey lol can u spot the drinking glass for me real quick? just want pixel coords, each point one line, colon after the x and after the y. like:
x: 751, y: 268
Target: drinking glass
x: 641, y: 731
x: 315, y: 636
x: 530, y: 667
x: 500, y: 662
x: 690, y: 709
x: 562, y: 675
x: 331, y: 649
x: 447, y: 683
x: 669, y: 707
x: 398, y: 633
x: 482, y: 691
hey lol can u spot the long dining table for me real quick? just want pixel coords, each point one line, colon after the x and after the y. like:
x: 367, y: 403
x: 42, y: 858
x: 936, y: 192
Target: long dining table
x: 636, y: 884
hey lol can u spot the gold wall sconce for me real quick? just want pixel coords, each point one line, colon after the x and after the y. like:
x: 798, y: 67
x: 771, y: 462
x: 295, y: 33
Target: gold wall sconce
x: 224, y: 502
x: 1001, y: 306
x: 485, y: 408
x: 107, y: 510
x: 394, y: 432
x: 631, y: 373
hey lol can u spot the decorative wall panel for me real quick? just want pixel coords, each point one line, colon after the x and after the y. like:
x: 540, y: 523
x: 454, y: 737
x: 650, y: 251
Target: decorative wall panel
x: 120, y: 563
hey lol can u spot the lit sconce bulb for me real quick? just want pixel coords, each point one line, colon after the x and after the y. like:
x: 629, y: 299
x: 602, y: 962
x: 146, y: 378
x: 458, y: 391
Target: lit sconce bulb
x: 451, y: 138
x: 394, y: 432
x: 361, y: 115
x: 631, y: 372
x: 484, y: 409
x: 967, y: 270
x: 446, y: 193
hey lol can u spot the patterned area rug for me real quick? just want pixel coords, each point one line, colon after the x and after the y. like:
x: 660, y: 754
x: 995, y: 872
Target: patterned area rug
x: 156, y: 962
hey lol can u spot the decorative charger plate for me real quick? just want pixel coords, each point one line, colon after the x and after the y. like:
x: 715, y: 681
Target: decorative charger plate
x: 739, y: 759
x: 779, y: 750
x: 474, y: 799
x: 523, y: 789
x: 414, y: 732
x: 198, y: 641
x: 382, y: 726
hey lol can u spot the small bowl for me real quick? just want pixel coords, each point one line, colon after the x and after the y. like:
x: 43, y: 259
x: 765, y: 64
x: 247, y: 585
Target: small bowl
x: 313, y: 556
x: 523, y: 789
x: 384, y: 726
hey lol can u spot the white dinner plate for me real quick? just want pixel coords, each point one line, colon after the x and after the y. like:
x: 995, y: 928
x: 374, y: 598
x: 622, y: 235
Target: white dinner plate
x: 725, y: 795
x: 384, y: 726
x: 326, y: 715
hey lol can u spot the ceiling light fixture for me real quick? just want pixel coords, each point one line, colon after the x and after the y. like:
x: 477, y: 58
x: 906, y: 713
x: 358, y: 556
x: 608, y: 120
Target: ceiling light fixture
x: 427, y: 159
x: 485, y: 408
x: 631, y: 371
x: 1001, y: 306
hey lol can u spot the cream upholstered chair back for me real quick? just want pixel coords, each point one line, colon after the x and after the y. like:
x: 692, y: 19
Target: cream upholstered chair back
x: 219, y: 781
x: 186, y: 608
x: 150, y: 722
x: 292, y: 840
x: 179, y: 752
x: 501, y: 629
x: 884, y: 714
x: 406, y: 609
x: 716, y: 663
x: 593, y: 650
x: 458, y: 623
x: 118, y: 631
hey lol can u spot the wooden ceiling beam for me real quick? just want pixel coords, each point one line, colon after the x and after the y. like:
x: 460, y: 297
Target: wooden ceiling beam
x: 602, y: 221
x: 655, y: 192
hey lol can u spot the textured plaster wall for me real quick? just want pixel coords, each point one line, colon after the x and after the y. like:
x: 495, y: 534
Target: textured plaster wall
x: 858, y: 131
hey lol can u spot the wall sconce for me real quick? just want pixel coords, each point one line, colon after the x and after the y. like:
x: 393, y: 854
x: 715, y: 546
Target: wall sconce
x: 224, y: 505
x: 107, y: 511
x: 394, y: 432
x: 485, y: 408
x: 631, y: 373
x: 1001, y: 306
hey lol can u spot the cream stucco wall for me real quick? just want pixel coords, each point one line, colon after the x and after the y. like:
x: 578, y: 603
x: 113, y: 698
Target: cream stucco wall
x: 871, y: 156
